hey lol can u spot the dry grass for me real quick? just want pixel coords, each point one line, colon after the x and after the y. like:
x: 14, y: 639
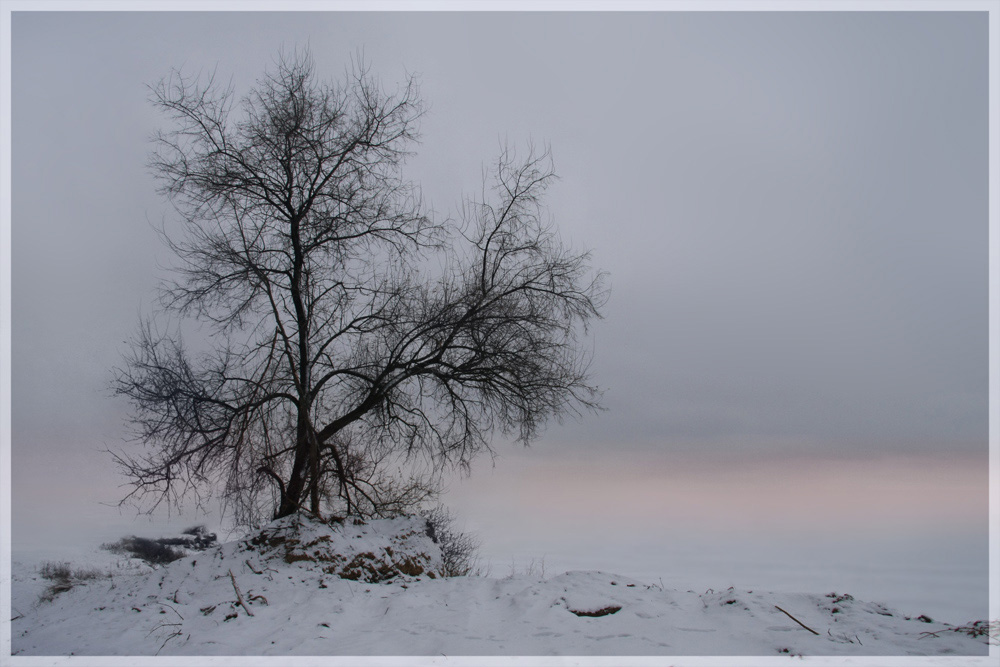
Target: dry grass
x: 64, y: 577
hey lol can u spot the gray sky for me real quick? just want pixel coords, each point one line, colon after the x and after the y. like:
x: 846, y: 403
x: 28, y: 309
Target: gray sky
x: 792, y: 208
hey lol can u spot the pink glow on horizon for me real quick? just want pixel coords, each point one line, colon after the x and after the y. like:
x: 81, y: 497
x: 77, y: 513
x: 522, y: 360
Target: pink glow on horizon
x: 881, y: 494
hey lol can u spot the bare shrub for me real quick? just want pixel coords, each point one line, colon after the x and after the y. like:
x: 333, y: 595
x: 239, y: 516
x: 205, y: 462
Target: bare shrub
x: 154, y: 552
x: 459, y: 551
x: 163, y: 550
x: 198, y: 537
x: 55, y: 571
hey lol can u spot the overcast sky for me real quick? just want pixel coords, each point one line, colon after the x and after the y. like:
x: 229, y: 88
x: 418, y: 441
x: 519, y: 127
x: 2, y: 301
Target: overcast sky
x: 792, y: 207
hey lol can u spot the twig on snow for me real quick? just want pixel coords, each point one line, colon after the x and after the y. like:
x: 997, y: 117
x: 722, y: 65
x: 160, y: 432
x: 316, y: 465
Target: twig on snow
x: 795, y: 619
x: 162, y: 625
x: 164, y: 604
x: 989, y: 629
x: 239, y: 596
x: 175, y: 633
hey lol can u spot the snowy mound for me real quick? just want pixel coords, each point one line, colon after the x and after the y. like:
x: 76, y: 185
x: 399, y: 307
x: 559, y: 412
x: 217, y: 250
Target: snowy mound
x: 302, y: 587
x: 380, y: 550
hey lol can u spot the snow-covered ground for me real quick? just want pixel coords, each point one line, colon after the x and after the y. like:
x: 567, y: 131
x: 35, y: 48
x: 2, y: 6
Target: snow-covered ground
x: 282, y: 593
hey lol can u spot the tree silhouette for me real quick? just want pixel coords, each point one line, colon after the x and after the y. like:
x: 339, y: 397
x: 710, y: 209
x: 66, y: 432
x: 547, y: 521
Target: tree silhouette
x: 358, y: 348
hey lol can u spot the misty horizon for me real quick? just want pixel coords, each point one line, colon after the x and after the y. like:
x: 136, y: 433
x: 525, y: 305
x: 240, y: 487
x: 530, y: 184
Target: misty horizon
x: 793, y: 208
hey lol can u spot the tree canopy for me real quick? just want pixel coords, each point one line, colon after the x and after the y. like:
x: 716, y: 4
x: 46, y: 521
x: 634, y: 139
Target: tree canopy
x: 359, y: 347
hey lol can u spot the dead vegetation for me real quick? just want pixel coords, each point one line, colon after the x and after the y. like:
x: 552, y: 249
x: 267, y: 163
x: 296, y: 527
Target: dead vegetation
x: 163, y: 550
x: 604, y: 611
x: 988, y: 629
x: 64, y: 577
x: 288, y: 544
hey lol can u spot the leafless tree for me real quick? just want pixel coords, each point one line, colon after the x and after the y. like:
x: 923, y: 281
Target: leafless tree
x: 358, y: 347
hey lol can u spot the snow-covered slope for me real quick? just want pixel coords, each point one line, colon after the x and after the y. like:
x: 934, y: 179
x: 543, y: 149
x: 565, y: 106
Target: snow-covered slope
x: 284, y: 592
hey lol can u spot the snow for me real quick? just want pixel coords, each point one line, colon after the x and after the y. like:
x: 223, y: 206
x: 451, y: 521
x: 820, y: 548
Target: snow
x: 281, y: 592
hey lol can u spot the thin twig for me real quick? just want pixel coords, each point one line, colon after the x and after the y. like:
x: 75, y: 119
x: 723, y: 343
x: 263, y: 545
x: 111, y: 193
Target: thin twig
x: 239, y: 595
x: 164, y: 604
x: 162, y: 625
x: 176, y: 633
x: 795, y: 619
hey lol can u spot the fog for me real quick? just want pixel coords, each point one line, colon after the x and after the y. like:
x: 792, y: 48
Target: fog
x: 792, y: 207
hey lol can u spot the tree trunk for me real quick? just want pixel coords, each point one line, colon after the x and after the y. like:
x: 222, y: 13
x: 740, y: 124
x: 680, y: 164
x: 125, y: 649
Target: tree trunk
x: 294, y: 493
x: 314, y: 476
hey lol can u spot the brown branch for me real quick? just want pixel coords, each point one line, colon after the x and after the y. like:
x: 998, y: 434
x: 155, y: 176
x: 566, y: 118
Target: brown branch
x: 239, y: 595
x: 795, y: 619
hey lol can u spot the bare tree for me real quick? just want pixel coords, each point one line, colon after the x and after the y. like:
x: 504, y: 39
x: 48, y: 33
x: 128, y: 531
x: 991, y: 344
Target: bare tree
x: 358, y: 347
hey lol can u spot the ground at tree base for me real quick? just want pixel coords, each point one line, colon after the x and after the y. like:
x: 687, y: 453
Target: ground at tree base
x: 283, y: 592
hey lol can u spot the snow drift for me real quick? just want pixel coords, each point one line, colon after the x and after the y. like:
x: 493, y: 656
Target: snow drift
x: 303, y: 587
